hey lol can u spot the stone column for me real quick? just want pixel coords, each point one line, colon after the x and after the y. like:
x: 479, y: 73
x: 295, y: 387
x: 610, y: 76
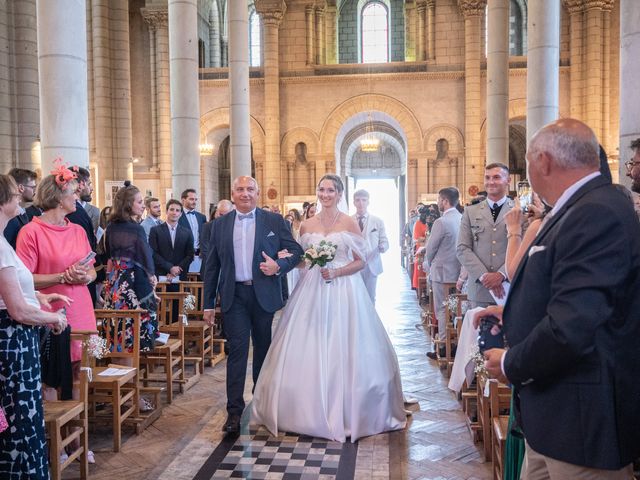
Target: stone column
x: 62, y: 71
x: 310, y: 20
x: 291, y: 171
x: 331, y: 55
x: 412, y: 194
x: 543, y: 67
x: 157, y: 19
x: 214, y: 36
x: 606, y: 76
x: 410, y: 31
x: 472, y: 10
x: 26, y: 80
x: 498, y: 81
x: 575, y: 8
x: 431, y: 29
x: 272, y: 14
x: 593, y: 73
x: 320, y: 37
x: 421, y: 36
x: 240, y: 129
x: 629, y: 80
x: 185, y: 104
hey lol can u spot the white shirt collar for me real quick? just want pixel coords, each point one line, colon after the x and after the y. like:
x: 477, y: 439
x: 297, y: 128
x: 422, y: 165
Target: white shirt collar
x: 238, y: 212
x: 499, y: 202
x: 568, y: 193
x: 448, y: 210
x: 84, y: 204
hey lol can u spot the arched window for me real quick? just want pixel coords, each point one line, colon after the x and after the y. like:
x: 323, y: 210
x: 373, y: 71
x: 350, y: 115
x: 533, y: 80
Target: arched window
x: 254, y: 39
x: 375, y: 33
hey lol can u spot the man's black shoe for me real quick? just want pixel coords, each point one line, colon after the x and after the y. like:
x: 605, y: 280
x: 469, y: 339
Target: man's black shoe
x: 433, y: 356
x: 232, y: 425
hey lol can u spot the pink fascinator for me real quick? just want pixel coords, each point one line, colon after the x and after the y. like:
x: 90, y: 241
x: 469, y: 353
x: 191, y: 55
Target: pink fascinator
x: 62, y: 174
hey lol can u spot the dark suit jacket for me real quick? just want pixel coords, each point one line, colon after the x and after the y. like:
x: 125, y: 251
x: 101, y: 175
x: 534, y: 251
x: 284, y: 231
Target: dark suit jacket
x: 166, y: 256
x: 185, y: 223
x: 81, y: 217
x: 272, y: 235
x: 572, y: 321
x: 205, y: 237
x: 19, y: 221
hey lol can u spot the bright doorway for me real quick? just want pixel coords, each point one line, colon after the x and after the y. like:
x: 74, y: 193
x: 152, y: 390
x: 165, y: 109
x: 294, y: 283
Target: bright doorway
x: 384, y: 202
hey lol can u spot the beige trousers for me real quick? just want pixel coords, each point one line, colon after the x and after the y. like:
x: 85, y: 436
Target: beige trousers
x: 539, y: 467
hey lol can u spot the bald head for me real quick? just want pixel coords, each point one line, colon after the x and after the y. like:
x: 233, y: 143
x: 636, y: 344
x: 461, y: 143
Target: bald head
x: 223, y: 207
x: 570, y: 144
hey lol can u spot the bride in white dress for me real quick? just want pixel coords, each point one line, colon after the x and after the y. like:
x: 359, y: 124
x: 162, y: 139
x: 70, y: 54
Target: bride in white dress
x: 331, y: 370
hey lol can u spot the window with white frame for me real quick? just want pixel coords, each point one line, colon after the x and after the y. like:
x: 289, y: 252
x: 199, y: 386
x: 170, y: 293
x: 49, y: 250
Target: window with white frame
x: 375, y: 33
x: 254, y: 39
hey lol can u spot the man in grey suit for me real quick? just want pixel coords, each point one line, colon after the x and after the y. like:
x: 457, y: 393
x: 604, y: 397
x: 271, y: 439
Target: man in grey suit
x: 372, y: 229
x: 482, y: 241
x: 154, y: 210
x: 440, y: 258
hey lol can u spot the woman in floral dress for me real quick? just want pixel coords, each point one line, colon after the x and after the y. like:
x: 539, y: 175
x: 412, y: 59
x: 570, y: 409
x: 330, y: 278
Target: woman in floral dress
x: 130, y: 273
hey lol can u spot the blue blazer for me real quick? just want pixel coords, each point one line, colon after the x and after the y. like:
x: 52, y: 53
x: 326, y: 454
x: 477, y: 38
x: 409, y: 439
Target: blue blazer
x: 572, y: 322
x: 165, y: 255
x: 272, y: 235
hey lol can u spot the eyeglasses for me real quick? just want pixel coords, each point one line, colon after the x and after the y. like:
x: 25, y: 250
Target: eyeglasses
x: 630, y: 164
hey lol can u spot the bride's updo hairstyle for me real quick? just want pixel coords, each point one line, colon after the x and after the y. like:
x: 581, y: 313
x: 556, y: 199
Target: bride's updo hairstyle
x: 337, y: 182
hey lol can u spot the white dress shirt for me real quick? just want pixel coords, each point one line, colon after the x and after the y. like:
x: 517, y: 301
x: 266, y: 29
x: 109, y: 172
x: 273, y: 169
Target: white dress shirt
x: 195, y: 229
x: 172, y: 233
x: 244, y: 234
x: 499, y: 202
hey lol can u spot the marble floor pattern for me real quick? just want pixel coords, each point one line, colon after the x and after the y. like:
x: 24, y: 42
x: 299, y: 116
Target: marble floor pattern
x: 187, y: 441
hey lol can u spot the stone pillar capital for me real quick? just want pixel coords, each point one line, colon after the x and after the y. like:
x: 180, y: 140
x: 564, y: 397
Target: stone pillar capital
x: 155, y: 17
x: 413, y: 163
x: 421, y: 6
x: 291, y: 166
x: 573, y: 6
x: 472, y: 8
x: 271, y: 11
x: 595, y: 4
x: 431, y: 3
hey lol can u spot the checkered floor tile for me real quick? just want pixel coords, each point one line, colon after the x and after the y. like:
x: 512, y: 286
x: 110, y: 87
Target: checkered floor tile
x: 259, y: 455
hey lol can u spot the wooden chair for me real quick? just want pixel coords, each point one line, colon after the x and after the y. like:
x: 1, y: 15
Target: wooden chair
x: 484, y: 415
x: 170, y: 356
x: 193, y: 277
x: 66, y: 421
x: 209, y: 347
x: 443, y: 361
x: 451, y: 331
x: 120, y: 391
x: 500, y: 403
x: 469, y: 396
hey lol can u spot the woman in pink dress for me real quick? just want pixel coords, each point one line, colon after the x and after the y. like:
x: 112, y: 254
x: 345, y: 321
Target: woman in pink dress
x: 55, y: 251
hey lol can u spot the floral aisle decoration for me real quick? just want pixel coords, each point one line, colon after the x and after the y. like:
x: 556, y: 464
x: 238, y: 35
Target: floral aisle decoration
x: 188, y: 306
x: 96, y: 346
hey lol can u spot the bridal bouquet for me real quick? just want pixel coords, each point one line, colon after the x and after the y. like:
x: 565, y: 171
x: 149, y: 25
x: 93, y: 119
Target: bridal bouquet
x: 320, y: 254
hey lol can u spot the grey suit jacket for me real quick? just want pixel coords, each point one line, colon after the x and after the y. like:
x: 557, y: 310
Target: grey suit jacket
x: 377, y: 243
x: 482, y: 246
x: 94, y: 215
x: 441, y: 258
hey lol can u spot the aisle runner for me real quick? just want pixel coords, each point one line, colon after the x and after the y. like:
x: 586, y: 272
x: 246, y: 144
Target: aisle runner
x: 257, y: 454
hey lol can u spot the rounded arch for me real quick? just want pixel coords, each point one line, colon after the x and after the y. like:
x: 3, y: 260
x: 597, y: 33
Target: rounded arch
x: 219, y: 118
x: 297, y: 135
x: 366, y: 103
x: 450, y: 133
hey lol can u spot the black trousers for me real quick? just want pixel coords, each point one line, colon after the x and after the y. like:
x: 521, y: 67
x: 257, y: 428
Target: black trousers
x: 245, y: 319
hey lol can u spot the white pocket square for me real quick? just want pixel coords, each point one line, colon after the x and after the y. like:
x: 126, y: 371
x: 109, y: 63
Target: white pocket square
x: 271, y: 234
x: 536, y: 249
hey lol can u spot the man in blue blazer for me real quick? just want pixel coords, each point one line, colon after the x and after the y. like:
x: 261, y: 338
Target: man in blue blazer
x: 572, y: 318
x: 244, y: 269
x: 191, y: 218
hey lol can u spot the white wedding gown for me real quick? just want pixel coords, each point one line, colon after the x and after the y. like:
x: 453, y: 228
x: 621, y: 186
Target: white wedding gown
x: 331, y: 371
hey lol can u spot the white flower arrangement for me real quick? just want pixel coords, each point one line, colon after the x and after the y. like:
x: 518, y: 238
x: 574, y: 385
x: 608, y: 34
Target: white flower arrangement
x: 478, y: 360
x: 96, y: 346
x: 320, y: 254
x: 189, y: 303
x: 451, y: 303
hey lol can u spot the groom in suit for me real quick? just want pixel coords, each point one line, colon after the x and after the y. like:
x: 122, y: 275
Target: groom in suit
x: 242, y: 270
x: 572, y: 318
x: 372, y: 229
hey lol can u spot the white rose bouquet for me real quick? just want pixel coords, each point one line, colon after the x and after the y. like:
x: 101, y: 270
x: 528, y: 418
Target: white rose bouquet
x: 320, y: 254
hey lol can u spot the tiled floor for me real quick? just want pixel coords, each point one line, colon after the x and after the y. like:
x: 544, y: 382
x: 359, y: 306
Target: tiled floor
x: 187, y: 442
